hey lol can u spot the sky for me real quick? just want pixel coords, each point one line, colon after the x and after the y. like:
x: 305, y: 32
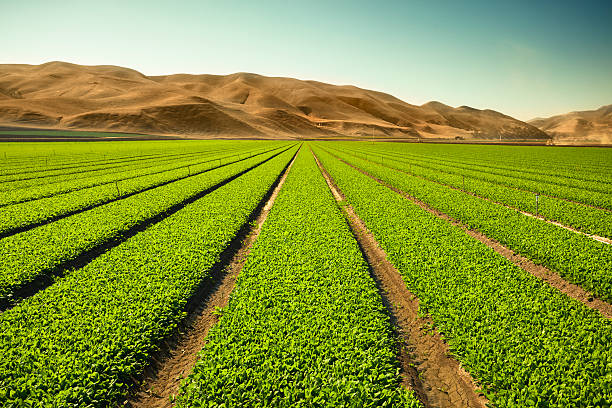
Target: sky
x: 523, y: 58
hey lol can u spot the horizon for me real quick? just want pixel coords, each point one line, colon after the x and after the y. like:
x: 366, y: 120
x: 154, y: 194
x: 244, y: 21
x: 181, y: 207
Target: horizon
x: 511, y: 65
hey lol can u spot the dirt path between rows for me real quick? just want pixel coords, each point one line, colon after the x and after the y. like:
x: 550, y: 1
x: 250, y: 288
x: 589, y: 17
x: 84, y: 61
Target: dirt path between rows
x: 426, y: 366
x: 547, y: 275
x: 175, y: 361
x: 601, y: 239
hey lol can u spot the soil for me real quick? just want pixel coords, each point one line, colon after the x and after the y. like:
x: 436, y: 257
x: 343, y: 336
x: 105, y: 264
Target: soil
x: 426, y: 365
x: 175, y: 361
x: 540, y: 271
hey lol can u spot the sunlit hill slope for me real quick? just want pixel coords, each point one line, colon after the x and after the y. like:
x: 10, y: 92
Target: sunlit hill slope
x: 68, y: 96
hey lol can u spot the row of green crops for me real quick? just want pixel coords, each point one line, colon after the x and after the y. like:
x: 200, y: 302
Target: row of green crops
x: 25, y: 176
x: 78, y: 171
x: 29, y: 254
x: 578, y: 258
x: 36, y: 188
x: 528, y: 344
x: 504, y: 175
x: 36, y: 211
x: 35, y: 157
x: 38, y: 180
x: 26, y: 171
x: 585, y: 218
x: 78, y: 343
x: 45, y: 187
x: 588, y: 164
x: 305, y: 325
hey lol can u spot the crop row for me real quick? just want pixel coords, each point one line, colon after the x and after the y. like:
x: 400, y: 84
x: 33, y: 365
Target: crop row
x: 38, y: 251
x: 578, y: 258
x: 38, y: 180
x: 29, y: 172
x: 305, y: 325
x: 45, y: 187
x: 44, y: 177
x: 584, y: 218
x: 588, y: 164
x: 17, y: 216
x: 101, y: 158
x: 37, y: 167
x: 40, y: 177
x: 80, y: 341
x: 599, y: 195
x: 26, y: 154
x: 558, y: 177
x: 528, y: 344
x: 70, y: 182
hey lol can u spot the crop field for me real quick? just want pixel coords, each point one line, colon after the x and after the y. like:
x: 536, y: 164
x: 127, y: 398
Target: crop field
x: 304, y: 274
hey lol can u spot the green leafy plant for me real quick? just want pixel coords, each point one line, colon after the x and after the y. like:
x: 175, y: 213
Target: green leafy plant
x: 80, y: 341
x: 528, y: 344
x: 305, y: 325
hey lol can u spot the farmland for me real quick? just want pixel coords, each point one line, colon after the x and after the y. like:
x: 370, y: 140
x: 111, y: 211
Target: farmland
x: 241, y: 273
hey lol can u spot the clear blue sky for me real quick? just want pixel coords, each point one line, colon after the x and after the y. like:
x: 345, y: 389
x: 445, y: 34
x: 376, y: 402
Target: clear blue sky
x: 523, y: 58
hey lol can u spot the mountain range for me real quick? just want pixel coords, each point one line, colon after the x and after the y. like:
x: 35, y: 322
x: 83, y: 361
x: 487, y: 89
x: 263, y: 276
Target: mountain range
x: 59, y: 95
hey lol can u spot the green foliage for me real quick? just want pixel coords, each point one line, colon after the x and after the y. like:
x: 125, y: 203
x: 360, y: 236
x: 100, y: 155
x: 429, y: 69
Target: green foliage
x: 527, y: 343
x: 38, y: 203
x: 27, y: 185
x: 78, y: 342
x: 578, y: 258
x: 26, y: 255
x: 515, y: 187
x: 305, y: 326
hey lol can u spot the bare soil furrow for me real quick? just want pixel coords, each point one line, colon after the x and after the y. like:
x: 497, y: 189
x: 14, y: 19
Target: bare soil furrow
x: 426, y: 365
x: 176, y: 358
x: 547, y: 275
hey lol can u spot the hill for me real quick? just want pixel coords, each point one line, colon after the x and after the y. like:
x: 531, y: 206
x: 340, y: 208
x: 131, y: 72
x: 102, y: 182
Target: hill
x: 60, y: 95
x: 589, y: 126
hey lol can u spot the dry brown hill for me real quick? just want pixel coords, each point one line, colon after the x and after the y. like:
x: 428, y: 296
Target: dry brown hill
x: 68, y: 96
x: 583, y: 126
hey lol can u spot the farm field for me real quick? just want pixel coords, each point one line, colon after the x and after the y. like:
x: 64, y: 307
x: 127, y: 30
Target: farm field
x: 294, y: 273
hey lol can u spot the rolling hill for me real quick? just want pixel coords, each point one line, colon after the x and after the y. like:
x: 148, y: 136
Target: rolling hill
x: 591, y: 125
x: 59, y: 95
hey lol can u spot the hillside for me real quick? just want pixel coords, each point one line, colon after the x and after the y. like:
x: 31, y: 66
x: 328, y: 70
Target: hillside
x: 109, y: 98
x: 591, y: 125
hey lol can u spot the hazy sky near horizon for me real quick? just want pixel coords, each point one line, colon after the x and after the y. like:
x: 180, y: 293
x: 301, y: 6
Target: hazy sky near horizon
x: 523, y: 58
